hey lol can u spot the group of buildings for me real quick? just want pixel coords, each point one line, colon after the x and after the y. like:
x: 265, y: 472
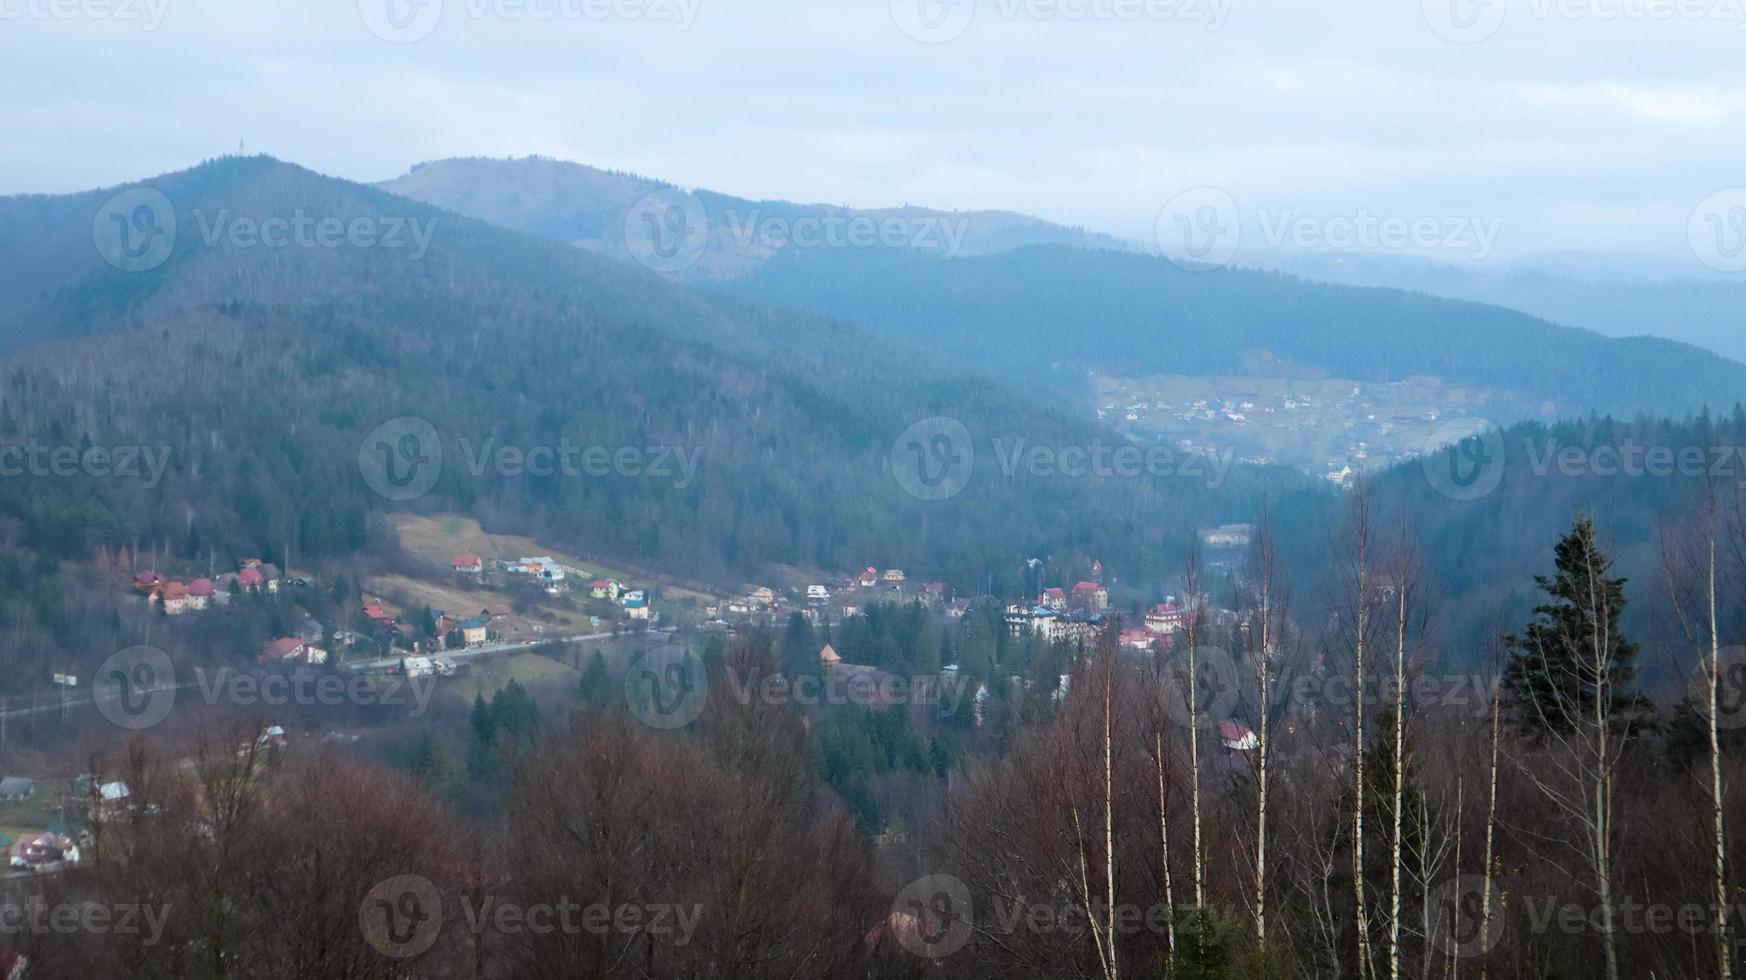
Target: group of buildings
x: 176, y: 597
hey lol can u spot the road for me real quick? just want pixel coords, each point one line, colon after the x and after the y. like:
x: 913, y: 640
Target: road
x: 494, y: 649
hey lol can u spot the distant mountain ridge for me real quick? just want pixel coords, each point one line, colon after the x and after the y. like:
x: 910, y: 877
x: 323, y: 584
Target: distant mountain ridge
x: 593, y: 209
x: 262, y: 370
x: 1613, y: 295
x: 1027, y: 301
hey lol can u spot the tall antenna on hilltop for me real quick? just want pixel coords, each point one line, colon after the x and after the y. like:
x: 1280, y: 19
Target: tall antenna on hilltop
x: 241, y: 148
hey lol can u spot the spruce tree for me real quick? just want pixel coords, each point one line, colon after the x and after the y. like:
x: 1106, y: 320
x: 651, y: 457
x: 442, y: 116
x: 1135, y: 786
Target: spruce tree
x: 1573, y: 652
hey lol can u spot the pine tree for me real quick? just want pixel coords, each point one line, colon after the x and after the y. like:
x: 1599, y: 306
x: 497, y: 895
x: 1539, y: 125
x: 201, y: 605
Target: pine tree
x: 1550, y: 679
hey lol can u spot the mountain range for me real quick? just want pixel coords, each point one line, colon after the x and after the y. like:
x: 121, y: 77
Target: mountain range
x: 1022, y: 299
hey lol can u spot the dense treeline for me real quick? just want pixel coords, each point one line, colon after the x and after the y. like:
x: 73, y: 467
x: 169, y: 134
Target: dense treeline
x: 1218, y: 808
x: 1050, y: 313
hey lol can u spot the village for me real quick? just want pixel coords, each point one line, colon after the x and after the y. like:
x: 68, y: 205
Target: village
x: 383, y: 630
x: 1334, y: 428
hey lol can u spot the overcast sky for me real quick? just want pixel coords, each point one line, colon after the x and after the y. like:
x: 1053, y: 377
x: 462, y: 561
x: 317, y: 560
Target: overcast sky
x: 1556, y: 124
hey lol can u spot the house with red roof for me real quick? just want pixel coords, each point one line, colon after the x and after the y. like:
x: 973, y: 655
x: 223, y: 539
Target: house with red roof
x: 468, y: 564
x: 200, y: 593
x: 1165, y: 618
x: 1055, y: 599
x: 1091, y: 595
x: 147, y: 581
x: 291, y: 650
x: 174, y: 598
x: 250, y: 578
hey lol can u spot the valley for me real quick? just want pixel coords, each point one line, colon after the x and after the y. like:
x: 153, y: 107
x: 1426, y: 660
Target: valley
x: 1338, y: 429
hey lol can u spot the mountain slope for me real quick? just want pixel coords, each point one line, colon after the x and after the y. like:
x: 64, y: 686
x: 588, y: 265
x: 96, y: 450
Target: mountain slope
x: 590, y: 208
x: 1616, y: 296
x: 262, y: 373
x: 1021, y: 312
x: 1047, y: 315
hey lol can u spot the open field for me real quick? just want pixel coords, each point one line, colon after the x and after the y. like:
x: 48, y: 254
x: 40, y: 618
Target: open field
x: 462, y: 602
x: 488, y: 676
x: 440, y: 538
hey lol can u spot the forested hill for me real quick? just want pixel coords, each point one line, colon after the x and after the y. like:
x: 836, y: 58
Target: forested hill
x: 590, y: 208
x: 1032, y: 313
x: 261, y: 371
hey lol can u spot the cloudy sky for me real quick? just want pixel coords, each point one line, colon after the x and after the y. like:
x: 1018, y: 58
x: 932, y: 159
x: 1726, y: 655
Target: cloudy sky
x: 1552, y: 124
